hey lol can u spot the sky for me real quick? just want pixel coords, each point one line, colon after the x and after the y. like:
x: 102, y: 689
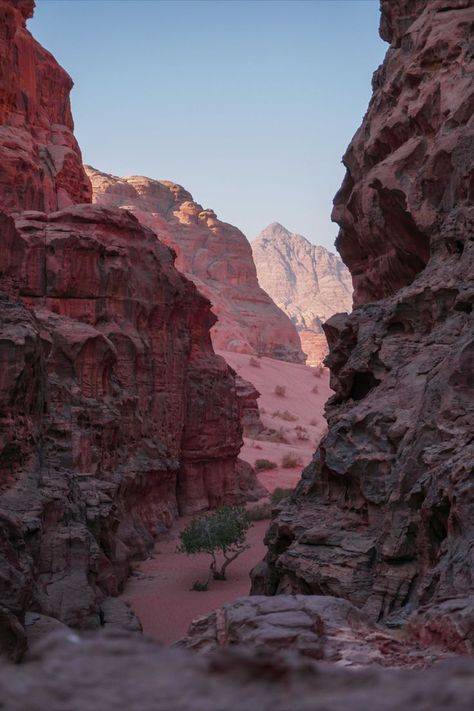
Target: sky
x: 249, y: 104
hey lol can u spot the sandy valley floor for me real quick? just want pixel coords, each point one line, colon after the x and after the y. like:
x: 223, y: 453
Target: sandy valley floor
x: 160, y: 590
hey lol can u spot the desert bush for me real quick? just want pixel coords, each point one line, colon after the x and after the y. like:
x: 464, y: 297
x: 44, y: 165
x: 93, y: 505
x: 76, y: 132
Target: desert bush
x: 301, y: 433
x: 279, y: 494
x: 262, y: 410
x: 279, y: 435
x: 263, y: 464
x: 290, y: 460
x: 285, y: 415
x: 280, y: 390
x: 315, y: 389
x: 254, y: 362
x: 318, y: 371
x: 223, y: 531
x: 313, y: 422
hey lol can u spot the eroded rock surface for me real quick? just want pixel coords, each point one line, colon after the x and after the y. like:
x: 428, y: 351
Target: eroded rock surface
x: 116, y: 414
x: 215, y: 255
x: 117, y: 672
x: 319, y: 627
x: 384, y: 515
x: 40, y: 161
x: 306, y: 281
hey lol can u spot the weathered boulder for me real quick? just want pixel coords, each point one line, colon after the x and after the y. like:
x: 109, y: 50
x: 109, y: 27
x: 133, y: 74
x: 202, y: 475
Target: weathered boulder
x: 315, y: 626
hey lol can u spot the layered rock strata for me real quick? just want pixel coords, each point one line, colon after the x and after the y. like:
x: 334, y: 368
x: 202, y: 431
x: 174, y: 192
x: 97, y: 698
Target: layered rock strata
x: 384, y: 514
x: 116, y: 414
x: 215, y: 255
x: 306, y: 281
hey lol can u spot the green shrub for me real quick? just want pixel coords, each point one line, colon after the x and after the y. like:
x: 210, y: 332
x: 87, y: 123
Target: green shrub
x: 280, y: 494
x: 291, y: 460
x: 263, y: 464
x: 222, y: 531
x: 285, y: 415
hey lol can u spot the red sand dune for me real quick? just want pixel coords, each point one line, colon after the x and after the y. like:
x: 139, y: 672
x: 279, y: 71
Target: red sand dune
x: 160, y: 591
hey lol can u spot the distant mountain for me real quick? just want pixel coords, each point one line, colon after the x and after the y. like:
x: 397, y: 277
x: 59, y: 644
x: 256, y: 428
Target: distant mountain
x: 216, y: 256
x: 305, y: 280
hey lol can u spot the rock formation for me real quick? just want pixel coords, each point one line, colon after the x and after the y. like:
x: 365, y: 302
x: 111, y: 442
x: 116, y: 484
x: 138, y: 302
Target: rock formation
x: 118, y: 672
x: 384, y: 514
x: 314, y: 626
x: 115, y: 413
x: 216, y: 256
x: 306, y: 281
x: 40, y: 161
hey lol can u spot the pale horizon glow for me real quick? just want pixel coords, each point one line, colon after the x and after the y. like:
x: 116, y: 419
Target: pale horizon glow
x: 249, y: 105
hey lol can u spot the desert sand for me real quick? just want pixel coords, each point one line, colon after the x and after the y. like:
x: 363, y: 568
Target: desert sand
x: 160, y: 591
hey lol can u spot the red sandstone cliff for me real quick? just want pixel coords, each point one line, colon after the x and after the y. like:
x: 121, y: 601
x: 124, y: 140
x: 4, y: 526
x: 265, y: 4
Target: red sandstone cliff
x: 40, y: 161
x: 215, y: 255
x: 115, y: 413
x: 384, y: 514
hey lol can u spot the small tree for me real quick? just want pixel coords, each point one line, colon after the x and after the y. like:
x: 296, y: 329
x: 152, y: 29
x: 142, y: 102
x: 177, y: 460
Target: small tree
x: 222, y: 531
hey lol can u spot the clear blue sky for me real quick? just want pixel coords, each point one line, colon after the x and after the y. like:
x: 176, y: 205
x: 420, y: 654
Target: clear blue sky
x: 248, y: 104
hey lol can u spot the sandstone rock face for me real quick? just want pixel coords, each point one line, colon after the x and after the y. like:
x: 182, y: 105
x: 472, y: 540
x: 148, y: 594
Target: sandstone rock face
x: 40, y: 161
x: 216, y: 256
x: 306, y: 281
x: 116, y: 414
x: 247, y: 396
x: 384, y: 515
x: 118, y: 672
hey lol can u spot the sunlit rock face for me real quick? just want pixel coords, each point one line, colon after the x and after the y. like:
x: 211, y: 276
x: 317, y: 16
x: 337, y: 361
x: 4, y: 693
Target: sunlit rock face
x: 40, y: 161
x: 384, y: 514
x: 215, y: 255
x: 306, y: 281
x: 115, y: 413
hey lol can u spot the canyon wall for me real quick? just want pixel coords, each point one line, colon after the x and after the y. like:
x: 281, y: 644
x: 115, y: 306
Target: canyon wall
x: 115, y: 413
x: 215, y: 255
x: 384, y: 514
x: 40, y: 161
x: 306, y: 281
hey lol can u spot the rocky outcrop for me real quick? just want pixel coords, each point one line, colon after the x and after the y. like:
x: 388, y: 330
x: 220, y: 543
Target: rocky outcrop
x: 118, y: 672
x: 384, y: 514
x: 247, y: 396
x: 215, y: 256
x: 306, y: 281
x: 318, y: 627
x: 40, y: 161
x: 115, y: 413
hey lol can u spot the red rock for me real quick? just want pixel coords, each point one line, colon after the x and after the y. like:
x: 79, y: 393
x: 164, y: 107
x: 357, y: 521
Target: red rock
x: 215, y: 255
x: 40, y: 161
x: 383, y: 516
x: 117, y: 412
